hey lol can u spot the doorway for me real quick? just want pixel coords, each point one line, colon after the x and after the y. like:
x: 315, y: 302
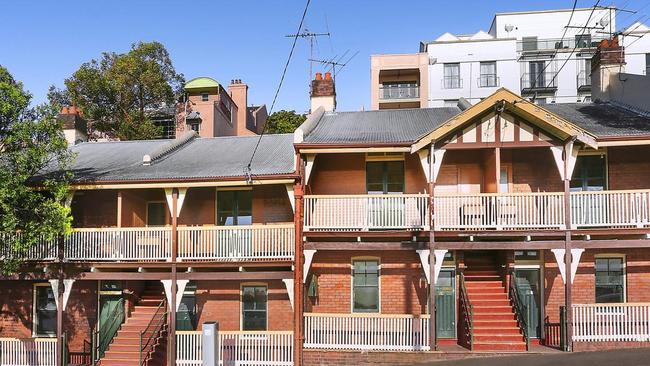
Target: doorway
x: 446, y: 303
x: 528, y: 281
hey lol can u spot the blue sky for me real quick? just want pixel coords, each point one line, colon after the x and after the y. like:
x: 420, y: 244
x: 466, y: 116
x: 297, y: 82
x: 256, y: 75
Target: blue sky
x: 43, y: 42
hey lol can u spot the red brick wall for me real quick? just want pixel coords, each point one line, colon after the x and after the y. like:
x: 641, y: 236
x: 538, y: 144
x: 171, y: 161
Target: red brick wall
x: 271, y: 204
x: 359, y: 358
x: 220, y: 301
x: 16, y: 298
x: 629, y: 167
x: 198, y: 207
x: 346, y: 174
x: 533, y: 170
x: 80, y: 314
x: 403, y: 287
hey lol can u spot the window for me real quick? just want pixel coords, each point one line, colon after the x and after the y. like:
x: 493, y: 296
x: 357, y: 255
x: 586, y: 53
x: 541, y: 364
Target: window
x: 647, y: 63
x: 186, y: 314
x: 451, y: 76
x: 254, y: 307
x: 529, y: 43
x: 526, y: 255
x: 610, y: 280
x: 167, y: 127
x: 205, y: 97
x: 488, y: 76
x: 110, y: 286
x: 365, y: 286
x: 536, y: 74
x: 399, y: 90
x: 504, y: 181
x: 235, y: 207
x: 589, y: 174
x: 195, y: 126
x: 44, y: 310
x: 385, y: 177
x: 583, y: 40
x: 156, y: 214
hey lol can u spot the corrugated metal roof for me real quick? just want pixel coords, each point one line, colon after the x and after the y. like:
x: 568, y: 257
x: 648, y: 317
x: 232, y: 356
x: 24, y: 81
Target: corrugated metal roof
x: 209, y: 158
x: 382, y: 126
x: 602, y: 119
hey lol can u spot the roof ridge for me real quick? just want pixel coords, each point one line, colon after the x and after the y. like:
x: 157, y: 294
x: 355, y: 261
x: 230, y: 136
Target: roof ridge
x: 168, y: 148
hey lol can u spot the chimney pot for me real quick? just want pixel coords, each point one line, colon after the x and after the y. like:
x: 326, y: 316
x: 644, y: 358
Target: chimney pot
x: 319, y: 76
x: 73, y: 110
x: 328, y: 76
x: 65, y: 110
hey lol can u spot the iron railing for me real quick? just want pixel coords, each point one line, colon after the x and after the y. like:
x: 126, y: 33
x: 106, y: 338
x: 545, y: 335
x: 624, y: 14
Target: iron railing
x: 521, y: 308
x: 150, y: 335
x: 540, y: 80
x: 528, y: 45
x: 399, y: 92
x: 467, y: 311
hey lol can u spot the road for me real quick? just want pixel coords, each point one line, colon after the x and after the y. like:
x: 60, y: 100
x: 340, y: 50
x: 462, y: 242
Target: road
x: 628, y: 357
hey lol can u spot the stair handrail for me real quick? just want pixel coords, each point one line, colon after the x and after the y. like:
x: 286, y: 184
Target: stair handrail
x: 520, y: 308
x: 467, y: 308
x: 105, y: 333
x: 155, y: 327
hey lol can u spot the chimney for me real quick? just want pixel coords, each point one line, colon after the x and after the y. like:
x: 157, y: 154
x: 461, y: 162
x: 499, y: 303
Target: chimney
x: 608, y: 60
x: 75, y: 128
x: 238, y: 92
x: 323, y: 93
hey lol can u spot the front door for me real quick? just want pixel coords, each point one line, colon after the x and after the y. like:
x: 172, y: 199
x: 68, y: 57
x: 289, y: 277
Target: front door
x: 528, y: 286
x: 111, y: 313
x: 446, y: 304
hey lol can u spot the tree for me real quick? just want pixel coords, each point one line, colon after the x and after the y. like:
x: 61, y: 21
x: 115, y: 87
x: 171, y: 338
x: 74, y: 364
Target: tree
x: 31, y: 142
x: 119, y: 92
x: 284, y: 121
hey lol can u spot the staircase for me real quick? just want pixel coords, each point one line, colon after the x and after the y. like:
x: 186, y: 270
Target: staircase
x: 495, y: 321
x: 148, y: 316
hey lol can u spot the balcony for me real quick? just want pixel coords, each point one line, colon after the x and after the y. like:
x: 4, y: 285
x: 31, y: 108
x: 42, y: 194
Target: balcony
x: 366, y: 212
x: 386, y: 332
x: 401, y: 92
x: 244, y: 243
x: 583, y: 80
x: 488, y: 81
x: 552, y: 44
x: 451, y: 82
x: 544, y: 81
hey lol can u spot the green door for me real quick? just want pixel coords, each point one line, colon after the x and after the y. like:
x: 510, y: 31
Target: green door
x: 111, y: 317
x: 446, y: 304
x: 528, y: 286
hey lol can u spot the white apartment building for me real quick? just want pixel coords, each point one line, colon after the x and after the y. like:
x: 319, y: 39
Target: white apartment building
x: 532, y: 53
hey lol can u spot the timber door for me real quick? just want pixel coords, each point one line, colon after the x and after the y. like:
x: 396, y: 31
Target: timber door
x: 446, y: 304
x: 528, y: 286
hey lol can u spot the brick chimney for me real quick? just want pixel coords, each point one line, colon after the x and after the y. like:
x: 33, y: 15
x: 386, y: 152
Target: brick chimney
x: 75, y: 128
x: 323, y: 92
x: 609, y: 60
x: 238, y: 92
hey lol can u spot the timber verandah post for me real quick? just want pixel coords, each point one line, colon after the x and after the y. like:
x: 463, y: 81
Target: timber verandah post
x: 298, y: 285
x: 433, y: 341
x: 171, y: 341
x: 567, y: 247
x: 59, y: 302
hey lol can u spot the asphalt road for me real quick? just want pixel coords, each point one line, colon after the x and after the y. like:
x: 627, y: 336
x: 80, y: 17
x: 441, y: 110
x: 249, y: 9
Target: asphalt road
x: 628, y: 357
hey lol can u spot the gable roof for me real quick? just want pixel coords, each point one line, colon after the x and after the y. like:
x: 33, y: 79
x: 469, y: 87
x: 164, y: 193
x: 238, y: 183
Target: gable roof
x: 513, y: 103
x: 201, y: 158
x: 377, y: 127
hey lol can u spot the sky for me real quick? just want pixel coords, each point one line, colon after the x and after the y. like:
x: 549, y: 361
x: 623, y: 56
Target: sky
x: 44, y: 42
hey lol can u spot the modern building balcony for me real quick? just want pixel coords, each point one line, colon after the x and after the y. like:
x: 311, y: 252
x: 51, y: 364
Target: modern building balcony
x: 368, y: 212
x: 532, y: 44
x: 399, y: 92
x: 538, y: 82
x: 245, y: 243
x: 584, y: 81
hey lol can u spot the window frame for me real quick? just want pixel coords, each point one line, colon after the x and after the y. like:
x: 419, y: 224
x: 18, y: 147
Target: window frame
x: 365, y: 259
x: 191, y: 313
x: 35, y: 319
x: 647, y: 64
x: 205, y: 97
x: 165, y: 209
x: 384, y: 161
x: 604, y: 157
x: 241, y: 304
x: 482, y: 75
x: 608, y: 256
x: 231, y: 189
x: 454, y: 78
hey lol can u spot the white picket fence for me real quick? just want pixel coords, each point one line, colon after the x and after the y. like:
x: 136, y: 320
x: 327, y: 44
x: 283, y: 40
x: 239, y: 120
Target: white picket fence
x: 499, y: 211
x: 367, y: 332
x: 610, y: 208
x: 238, y: 348
x: 28, y: 352
x: 119, y: 244
x: 237, y: 243
x: 366, y: 212
x: 611, y: 322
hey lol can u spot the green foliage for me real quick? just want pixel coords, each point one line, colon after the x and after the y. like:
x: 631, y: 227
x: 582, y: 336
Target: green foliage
x: 31, y: 141
x: 284, y: 121
x: 118, y: 92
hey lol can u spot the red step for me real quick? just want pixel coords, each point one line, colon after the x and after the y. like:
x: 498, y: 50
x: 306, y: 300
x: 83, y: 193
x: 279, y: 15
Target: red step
x: 500, y: 346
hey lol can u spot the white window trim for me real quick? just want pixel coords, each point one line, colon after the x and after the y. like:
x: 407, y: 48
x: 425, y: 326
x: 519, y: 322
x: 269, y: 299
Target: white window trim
x: 613, y: 255
x: 241, y: 302
x: 365, y: 258
x: 34, y: 312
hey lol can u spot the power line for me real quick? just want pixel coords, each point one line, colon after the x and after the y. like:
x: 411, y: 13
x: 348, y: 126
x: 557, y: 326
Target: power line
x: 277, y: 91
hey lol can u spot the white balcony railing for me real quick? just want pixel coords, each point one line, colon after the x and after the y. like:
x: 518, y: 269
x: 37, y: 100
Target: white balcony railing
x: 238, y: 348
x: 25, y: 352
x: 44, y: 250
x: 366, y: 212
x: 367, y: 332
x: 499, y: 211
x: 120, y: 244
x: 237, y: 243
x: 611, y: 322
x: 610, y: 208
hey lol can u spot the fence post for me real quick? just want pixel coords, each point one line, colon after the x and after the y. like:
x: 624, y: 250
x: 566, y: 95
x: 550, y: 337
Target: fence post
x: 210, y: 344
x: 563, y: 329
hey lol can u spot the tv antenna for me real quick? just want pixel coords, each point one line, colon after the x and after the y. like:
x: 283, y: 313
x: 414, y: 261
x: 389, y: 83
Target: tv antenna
x: 312, y: 36
x: 335, y: 62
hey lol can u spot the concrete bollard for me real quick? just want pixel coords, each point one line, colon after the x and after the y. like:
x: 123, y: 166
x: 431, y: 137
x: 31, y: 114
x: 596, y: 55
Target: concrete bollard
x: 210, y: 343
